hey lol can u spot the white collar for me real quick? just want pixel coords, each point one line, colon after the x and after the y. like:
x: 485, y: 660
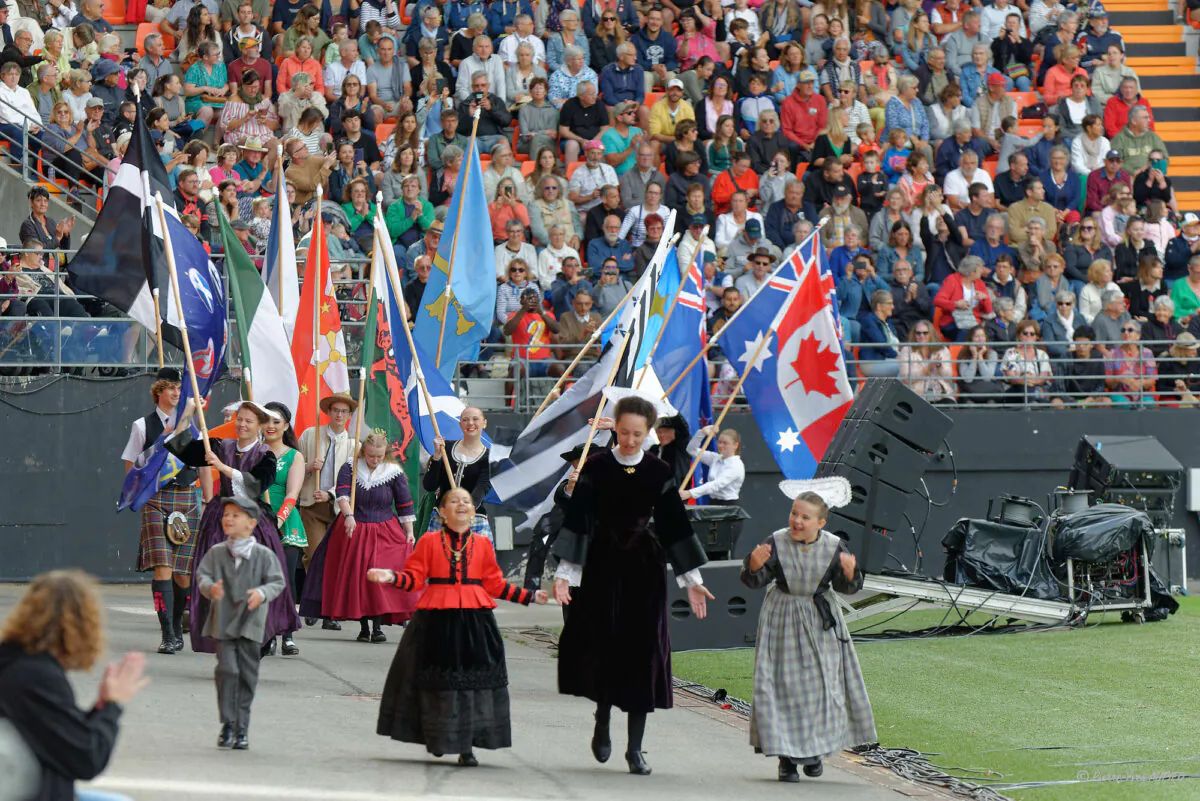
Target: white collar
x: 165, y: 417
x: 240, y: 449
x: 369, y: 479
x: 333, y: 436
x: 627, y: 461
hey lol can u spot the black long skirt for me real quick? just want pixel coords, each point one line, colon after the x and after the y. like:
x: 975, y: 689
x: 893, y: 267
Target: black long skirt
x: 447, y: 688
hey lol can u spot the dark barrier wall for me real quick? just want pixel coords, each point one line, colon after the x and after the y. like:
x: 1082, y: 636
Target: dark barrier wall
x: 61, y: 471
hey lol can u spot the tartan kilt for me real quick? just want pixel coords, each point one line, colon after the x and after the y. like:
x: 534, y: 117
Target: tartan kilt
x: 154, y: 549
x: 480, y: 525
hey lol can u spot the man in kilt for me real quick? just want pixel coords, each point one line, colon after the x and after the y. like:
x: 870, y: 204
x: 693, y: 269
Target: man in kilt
x: 172, y: 513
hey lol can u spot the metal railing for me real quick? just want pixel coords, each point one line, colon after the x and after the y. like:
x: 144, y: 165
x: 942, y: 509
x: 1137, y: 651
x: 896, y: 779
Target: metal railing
x: 37, y: 168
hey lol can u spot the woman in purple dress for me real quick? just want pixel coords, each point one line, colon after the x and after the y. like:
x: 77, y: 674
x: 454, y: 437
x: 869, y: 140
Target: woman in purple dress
x: 377, y: 530
x: 247, y: 467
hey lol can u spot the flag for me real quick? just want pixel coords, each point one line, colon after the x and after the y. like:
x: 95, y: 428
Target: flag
x: 446, y: 405
x: 665, y: 289
x: 264, y: 343
x: 645, y: 305
x: 279, y: 266
x: 683, y: 335
x: 318, y: 349
x: 202, y: 293
x: 385, y: 402
x: 467, y: 240
x: 117, y: 265
x: 797, y: 387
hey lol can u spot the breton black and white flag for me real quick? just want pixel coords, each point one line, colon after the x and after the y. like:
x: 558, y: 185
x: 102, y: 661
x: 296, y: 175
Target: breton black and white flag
x: 123, y: 259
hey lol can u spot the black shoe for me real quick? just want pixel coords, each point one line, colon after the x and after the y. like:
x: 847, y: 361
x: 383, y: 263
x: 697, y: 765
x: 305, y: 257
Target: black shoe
x: 187, y: 621
x: 378, y: 636
x: 242, y: 743
x: 637, y: 763
x: 787, y: 770
x: 364, y: 635
x: 813, y: 771
x: 167, y: 646
x: 269, y: 648
x: 177, y: 641
x: 601, y: 747
x: 467, y: 760
x: 331, y: 625
x: 310, y: 621
x: 225, y: 738
x: 289, y: 646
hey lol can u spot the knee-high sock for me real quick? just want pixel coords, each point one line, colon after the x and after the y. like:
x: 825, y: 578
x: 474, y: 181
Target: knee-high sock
x: 637, y: 728
x: 603, y: 717
x: 164, y: 601
x: 182, y: 596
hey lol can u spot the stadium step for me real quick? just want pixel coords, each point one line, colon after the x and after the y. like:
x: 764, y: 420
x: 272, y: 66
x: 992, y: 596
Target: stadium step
x: 1164, y: 47
x: 1152, y: 34
x: 1120, y: 20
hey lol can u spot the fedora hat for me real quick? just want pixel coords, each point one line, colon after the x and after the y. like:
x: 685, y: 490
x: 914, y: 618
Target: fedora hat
x: 338, y: 397
x: 253, y: 143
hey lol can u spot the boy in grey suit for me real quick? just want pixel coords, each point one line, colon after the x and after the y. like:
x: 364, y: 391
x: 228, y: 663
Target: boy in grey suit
x: 240, y: 577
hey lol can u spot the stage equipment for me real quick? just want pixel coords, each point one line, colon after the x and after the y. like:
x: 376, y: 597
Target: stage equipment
x: 732, y: 620
x: 718, y: 528
x: 1137, y: 472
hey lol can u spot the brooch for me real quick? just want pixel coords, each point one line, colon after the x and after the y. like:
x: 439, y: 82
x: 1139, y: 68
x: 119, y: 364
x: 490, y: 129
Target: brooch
x: 631, y: 470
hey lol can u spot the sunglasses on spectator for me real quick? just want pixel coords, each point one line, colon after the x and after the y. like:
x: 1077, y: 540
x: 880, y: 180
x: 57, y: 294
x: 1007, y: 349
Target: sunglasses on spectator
x: 845, y: 91
x: 1129, y: 330
x: 608, y: 19
x: 922, y: 332
x: 1029, y: 332
x: 550, y: 188
x: 517, y: 270
x: 1066, y: 303
x: 1087, y: 228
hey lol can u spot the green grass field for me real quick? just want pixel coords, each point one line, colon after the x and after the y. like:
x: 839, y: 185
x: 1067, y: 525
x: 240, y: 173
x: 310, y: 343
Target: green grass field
x: 1116, y: 693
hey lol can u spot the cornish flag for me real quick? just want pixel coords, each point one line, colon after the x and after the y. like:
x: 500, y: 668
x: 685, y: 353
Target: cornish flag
x: 797, y: 387
x: 123, y: 265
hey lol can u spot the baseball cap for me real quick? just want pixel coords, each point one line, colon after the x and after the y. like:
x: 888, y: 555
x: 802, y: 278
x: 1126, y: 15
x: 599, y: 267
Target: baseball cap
x: 156, y: 136
x: 624, y: 107
x: 807, y: 76
x: 753, y: 228
x: 674, y: 83
x: 1113, y: 154
x: 248, y: 42
x: 95, y: 102
x: 841, y: 191
x: 1097, y: 12
x: 245, y: 504
x: 709, y: 256
x: 996, y: 79
x: 1190, y: 219
x: 594, y: 144
x: 698, y: 219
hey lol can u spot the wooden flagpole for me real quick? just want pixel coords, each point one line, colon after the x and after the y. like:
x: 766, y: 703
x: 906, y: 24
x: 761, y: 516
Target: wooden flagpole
x: 732, y: 396
x: 471, y: 154
x: 683, y: 271
x: 279, y: 255
x: 588, y: 346
x: 158, y: 328
x: 187, y: 345
x: 362, y: 414
x: 394, y: 283
x: 318, y: 291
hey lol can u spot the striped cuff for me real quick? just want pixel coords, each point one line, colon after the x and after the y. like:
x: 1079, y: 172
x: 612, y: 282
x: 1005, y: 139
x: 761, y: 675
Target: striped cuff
x: 518, y: 595
x: 404, y: 581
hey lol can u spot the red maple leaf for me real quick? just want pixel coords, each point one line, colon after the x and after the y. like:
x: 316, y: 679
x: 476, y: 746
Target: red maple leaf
x: 815, y: 368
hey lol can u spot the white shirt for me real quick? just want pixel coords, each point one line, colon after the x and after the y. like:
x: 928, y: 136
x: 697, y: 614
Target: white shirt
x: 508, y: 48
x: 497, y: 82
x: 956, y: 184
x: 725, y: 473
x: 550, y: 262
x: 585, y: 180
x: 729, y: 229
x: 137, y: 434
x: 336, y: 72
x: 573, y: 572
x: 527, y: 252
x: 18, y: 107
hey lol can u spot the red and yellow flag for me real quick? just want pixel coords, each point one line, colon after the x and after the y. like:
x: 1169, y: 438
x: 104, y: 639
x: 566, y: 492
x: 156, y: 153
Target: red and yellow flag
x: 318, y: 348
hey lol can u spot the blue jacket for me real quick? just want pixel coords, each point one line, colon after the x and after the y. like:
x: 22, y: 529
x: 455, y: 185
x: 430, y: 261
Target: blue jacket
x: 1069, y: 197
x: 626, y: 16
x: 945, y: 160
x: 502, y: 14
x: 598, y: 250
x: 989, y: 254
x: 778, y: 224
x: 973, y: 84
x: 873, y: 342
x: 457, y: 13
x: 853, y: 297
x: 617, y: 85
x: 652, y: 52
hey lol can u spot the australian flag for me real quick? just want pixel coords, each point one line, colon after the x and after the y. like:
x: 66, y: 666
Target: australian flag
x: 797, y: 387
x: 202, y: 294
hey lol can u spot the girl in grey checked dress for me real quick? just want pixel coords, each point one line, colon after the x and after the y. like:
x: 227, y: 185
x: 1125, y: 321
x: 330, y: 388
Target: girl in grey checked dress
x: 809, y: 698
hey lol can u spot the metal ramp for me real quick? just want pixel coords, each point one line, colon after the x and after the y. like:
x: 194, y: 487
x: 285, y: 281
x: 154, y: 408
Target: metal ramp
x: 884, y: 594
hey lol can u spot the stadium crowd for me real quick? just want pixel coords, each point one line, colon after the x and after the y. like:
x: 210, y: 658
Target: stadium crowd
x: 990, y: 188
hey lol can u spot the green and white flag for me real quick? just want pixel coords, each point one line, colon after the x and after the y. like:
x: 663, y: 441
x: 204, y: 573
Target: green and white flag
x: 266, y: 351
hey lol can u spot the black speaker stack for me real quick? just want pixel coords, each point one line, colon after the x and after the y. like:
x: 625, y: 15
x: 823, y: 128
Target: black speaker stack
x: 1137, y: 472
x: 882, y: 448
x: 732, y: 614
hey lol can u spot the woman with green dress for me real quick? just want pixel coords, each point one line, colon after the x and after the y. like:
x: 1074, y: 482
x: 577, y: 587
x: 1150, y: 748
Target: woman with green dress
x: 281, y: 496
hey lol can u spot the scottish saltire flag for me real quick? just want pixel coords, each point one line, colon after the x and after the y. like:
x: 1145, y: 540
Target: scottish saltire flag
x: 279, y: 265
x: 797, y: 387
x: 682, y: 337
x: 123, y: 259
x: 472, y: 297
x: 203, y: 297
x: 445, y: 402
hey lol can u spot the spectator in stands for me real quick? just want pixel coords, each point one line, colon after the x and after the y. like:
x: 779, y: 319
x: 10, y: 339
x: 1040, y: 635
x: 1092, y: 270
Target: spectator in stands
x: 847, y: 251
x: 587, y: 182
x: 248, y: 114
x: 508, y: 293
x: 1003, y: 283
x: 1141, y: 293
x: 686, y: 140
x: 878, y: 339
x: 300, y: 97
x: 926, y: 367
x: 957, y: 182
x: 1090, y: 146
x: 958, y: 44
x: 910, y: 299
x: 991, y: 107
x: 841, y: 70
x: 249, y: 59
x: 1060, y: 322
x: 634, y: 224
x: 1100, y: 184
x: 915, y: 45
x: 611, y: 245
x: 1058, y: 78
x: 761, y: 146
x: 1137, y: 139
x: 716, y: 103
x: 564, y: 83
x: 99, y: 143
x: 1119, y: 106
x: 804, y: 114
x: 1010, y: 184
x: 530, y: 327
x: 1012, y: 52
x: 783, y: 215
x: 739, y: 177
x: 1033, y: 205
x: 901, y: 246
x: 188, y: 201
x: 655, y: 51
x: 696, y: 223
x: 840, y: 215
x: 1151, y: 185
x: 963, y: 297
x: 1159, y: 229
x: 761, y: 261
x: 1042, y: 293
x: 854, y: 291
x: 1182, y: 248
x: 1161, y: 328
x: 932, y: 76
x: 731, y: 223
x: 105, y: 77
x: 1026, y: 367
x: 581, y: 120
x: 612, y: 288
x: 578, y: 321
x: 1033, y: 251
x: 551, y: 209
x: 1130, y: 369
x: 977, y: 366
x: 972, y: 217
x: 948, y: 114
x: 20, y: 52
x: 669, y: 112
x: 428, y: 246
x: 643, y: 254
x: 494, y: 117
x: 1098, y: 37
x: 1068, y: 28
x: 514, y: 247
x: 606, y: 35
x: 353, y: 98
x: 566, y: 285
x: 91, y: 13
x: 244, y: 23
x: 348, y: 64
x: 1185, y: 293
x: 305, y: 172
x: 1072, y: 110
x: 740, y: 253
x: 1099, y: 283
x: 974, y: 75
x: 1062, y: 186
x: 46, y: 92
x: 409, y: 216
x: 1108, y: 76
x: 610, y: 203
x: 431, y: 27
x: 570, y: 34
x: 436, y: 145
x: 1083, y: 376
x: 633, y: 182
x: 482, y: 59
x: 360, y: 212
x: 1129, y: 252
x: 905, y: 112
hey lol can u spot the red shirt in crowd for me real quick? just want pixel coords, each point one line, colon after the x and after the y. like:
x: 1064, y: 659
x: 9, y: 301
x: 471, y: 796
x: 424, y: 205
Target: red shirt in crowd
x: 802, y: 120
x: 532, y: 337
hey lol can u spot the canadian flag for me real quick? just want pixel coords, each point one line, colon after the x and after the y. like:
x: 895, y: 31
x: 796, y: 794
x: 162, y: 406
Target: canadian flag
x: 318, y: 347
